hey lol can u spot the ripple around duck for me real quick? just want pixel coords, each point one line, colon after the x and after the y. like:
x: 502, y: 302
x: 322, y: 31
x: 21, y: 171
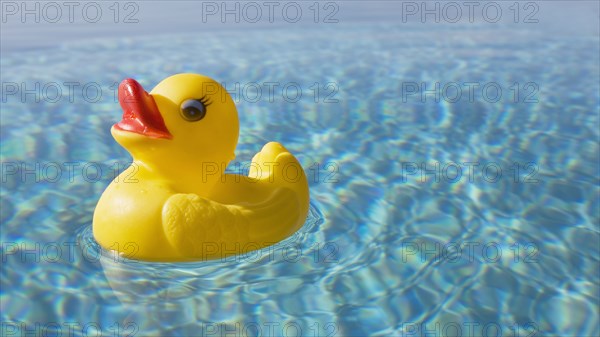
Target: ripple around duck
x: 157, y: 282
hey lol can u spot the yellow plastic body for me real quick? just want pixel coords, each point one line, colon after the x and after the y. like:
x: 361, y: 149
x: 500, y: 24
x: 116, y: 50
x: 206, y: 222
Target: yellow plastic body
x: 175, y: 202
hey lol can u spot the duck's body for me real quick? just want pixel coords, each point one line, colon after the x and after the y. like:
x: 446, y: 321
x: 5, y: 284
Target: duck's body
x: 177, y: 204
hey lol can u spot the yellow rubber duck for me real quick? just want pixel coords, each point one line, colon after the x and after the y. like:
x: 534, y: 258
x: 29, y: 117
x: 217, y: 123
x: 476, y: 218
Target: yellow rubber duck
x: 175, y: 202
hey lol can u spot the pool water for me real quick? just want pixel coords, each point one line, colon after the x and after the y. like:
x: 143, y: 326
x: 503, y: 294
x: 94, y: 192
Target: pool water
x: 450, y: 216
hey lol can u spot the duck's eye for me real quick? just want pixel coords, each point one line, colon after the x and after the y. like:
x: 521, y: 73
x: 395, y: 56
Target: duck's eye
x: 193, y: 110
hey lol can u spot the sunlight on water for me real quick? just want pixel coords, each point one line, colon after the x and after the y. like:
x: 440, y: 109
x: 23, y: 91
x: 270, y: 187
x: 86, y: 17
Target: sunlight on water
x: 510, y: 239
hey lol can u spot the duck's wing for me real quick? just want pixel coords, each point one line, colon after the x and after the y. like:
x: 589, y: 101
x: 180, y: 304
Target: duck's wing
x: 197, y: 227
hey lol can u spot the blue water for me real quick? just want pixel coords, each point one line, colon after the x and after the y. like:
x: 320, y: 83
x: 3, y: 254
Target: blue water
x: 394, y: 245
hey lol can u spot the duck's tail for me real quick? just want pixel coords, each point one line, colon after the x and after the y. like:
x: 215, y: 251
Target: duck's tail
x: 284, y: 212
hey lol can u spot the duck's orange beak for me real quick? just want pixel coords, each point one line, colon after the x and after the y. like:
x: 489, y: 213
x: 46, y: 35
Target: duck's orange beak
x: 140, y: 113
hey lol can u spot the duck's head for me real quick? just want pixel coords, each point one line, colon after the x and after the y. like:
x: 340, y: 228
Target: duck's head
x: 186, y: 122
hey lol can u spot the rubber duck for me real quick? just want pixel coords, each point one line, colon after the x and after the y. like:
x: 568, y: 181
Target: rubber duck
x: 175, y: 202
